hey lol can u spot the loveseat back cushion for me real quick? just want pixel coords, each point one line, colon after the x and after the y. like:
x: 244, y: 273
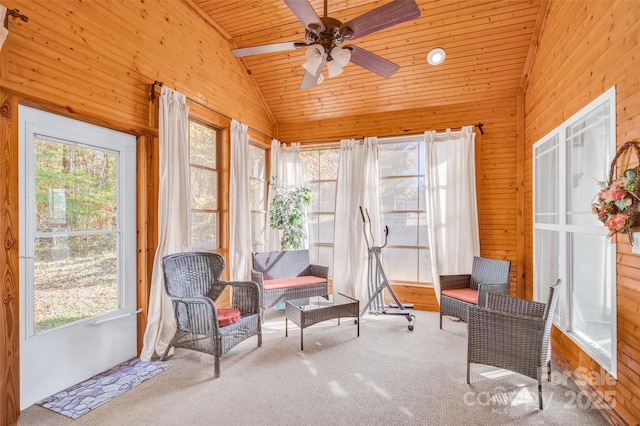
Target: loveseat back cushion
x: 282, y: 264
x: 293, y: 282
x: 468, y: 295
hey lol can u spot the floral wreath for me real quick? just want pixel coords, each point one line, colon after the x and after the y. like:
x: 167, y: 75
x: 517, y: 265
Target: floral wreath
x: 618, y: 201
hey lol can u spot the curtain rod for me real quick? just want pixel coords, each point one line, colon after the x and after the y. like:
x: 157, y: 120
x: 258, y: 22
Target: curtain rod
x: 16, y: 14
x: 152, y: 96
x: 456, y: 129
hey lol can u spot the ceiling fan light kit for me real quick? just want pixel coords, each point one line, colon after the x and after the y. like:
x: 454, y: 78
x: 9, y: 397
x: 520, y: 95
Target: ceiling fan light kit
x: 324, y: 37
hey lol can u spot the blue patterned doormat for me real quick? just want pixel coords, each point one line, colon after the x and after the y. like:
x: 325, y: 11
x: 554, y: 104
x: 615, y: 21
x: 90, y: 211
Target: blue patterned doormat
x: 81, y: 398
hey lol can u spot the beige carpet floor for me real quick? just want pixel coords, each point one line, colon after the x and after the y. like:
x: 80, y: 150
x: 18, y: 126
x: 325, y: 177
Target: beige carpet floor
x: 387, y: 376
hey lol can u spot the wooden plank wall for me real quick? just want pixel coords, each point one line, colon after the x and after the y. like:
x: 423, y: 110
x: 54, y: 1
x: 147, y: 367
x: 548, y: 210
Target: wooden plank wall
x: 9, y: 268
x: 599, y: 48
x: 496, y: 169
x: 95, y: 61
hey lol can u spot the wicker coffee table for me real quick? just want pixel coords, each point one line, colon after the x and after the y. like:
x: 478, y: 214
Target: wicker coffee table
x: 312, y: 310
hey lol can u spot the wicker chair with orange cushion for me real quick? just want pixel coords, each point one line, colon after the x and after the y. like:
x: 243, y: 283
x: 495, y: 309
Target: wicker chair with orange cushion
x: 193, y: 283
x: 459, y: 292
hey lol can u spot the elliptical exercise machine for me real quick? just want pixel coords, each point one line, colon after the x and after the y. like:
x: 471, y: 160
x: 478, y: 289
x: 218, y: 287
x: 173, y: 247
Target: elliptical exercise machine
x: 377, y: 280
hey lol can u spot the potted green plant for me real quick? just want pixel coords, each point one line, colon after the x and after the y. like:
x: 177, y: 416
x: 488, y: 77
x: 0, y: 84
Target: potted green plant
x: 287, y: 213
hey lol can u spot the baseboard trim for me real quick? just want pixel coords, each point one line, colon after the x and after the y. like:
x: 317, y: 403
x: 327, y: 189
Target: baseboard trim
x: 603, y: 406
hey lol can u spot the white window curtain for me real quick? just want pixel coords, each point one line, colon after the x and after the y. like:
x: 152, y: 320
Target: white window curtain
x: 357, y: 186
x: 452, y: 211
x: 3, y: 31
x: 273, y: 235
x: 286, y: 170
x: 174, y: 215
x: 239, y: 207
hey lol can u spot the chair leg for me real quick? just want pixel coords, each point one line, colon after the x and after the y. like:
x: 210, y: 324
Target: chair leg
x: 549, y: 370
x: 540, y: 394
x: 440, y: 321
x: 166, y: 352
x: 216, y: 366
x: 468, y: 368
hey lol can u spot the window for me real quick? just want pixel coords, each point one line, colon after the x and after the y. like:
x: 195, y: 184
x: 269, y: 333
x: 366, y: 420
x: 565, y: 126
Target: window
x: 204, y: 165
x: 320, y: 168
x: 569, y: 242
x: 402, y: 207
x: 406, y: 257
x: 258, y: 196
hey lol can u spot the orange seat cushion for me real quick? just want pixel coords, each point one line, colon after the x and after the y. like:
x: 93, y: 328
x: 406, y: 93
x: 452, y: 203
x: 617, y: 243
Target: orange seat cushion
x: 227, y: 316
x: 468, y: 295
x: 292, y: 282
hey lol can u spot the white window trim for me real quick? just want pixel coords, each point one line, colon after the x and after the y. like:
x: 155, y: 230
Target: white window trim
x: 563, y: 320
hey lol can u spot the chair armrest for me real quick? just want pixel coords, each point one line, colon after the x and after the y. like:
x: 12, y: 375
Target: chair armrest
x: 245, y: 295
x: 319, y: 271
x: 199, y: 312
x: 485, y: 289
x: 448, y: 282
x: 514, y: 306
x: 258, y: 278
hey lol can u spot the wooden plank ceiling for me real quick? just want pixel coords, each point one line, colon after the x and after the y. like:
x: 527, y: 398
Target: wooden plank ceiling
x: 487, y: 44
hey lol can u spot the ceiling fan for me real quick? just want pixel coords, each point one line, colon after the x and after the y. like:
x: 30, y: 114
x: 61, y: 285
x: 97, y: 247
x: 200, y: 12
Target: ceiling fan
x: 325, y: 36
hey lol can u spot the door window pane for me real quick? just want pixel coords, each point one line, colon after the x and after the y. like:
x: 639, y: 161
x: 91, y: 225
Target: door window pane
x: 76, y: 187
x: 74, y: 278
x: 76, y: 193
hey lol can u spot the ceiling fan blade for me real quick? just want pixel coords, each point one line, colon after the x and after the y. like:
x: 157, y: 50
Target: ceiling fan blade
x: 305, y: 13
x: 372, y: 62
x: 308, y: 81
x: 268, y: 48
x: 382, y: 17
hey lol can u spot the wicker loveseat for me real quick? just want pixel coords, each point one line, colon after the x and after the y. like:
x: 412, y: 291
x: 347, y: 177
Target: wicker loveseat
x: 286, y: 275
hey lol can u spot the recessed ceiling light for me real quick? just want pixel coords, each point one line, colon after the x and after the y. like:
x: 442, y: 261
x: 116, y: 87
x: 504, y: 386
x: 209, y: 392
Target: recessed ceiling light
x: 436, y: 56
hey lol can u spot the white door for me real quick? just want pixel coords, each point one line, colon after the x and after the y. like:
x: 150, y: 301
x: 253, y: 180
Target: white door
x: 77, y: 252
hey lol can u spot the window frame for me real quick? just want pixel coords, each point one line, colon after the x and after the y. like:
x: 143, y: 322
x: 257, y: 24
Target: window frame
x: 316, y: 246
x: 419, y: 212
x: 217, y: 170
x: 566, y: 231
x: 259, y: 243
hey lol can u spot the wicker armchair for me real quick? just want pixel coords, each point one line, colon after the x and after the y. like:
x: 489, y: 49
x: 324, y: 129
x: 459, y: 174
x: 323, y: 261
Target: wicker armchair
x: 459, y: 292
x: 192, y: 281
x: 513, y: 334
